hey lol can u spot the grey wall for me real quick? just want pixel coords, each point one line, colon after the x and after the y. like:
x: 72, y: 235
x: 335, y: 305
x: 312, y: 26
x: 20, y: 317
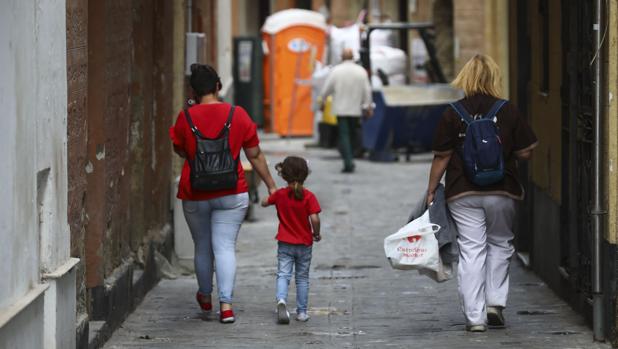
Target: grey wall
x: 35, y: 246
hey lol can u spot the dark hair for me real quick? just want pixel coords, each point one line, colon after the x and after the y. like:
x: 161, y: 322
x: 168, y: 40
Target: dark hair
x: 294, y: 170
x: 204, y: 80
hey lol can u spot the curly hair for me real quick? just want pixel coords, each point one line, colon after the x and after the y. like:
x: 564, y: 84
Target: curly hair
x: 294, y: 170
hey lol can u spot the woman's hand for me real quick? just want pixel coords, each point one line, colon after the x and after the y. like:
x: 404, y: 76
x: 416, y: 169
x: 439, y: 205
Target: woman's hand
x: 272, y: 190
x: 430, y: 195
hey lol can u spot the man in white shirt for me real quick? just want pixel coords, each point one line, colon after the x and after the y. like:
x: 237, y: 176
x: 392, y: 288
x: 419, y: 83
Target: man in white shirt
x: 348, y: 83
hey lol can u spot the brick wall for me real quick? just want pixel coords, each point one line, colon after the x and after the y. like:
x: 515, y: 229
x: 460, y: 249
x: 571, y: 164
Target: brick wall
x: 469, y: 28
x: 120, y: 73
x: 115, y: 144
x: 77, y: 129
x: 443, y: 21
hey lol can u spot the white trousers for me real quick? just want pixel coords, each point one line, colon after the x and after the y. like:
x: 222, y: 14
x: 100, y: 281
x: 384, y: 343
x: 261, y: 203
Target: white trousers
x: 485, y: 226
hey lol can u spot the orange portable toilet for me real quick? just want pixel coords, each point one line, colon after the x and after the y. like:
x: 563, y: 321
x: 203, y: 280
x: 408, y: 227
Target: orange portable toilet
x: 294, y: 40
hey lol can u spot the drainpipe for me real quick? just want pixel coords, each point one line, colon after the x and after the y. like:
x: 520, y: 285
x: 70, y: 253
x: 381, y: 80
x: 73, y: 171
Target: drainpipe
x: 597, y: 210
x: 189, y: 16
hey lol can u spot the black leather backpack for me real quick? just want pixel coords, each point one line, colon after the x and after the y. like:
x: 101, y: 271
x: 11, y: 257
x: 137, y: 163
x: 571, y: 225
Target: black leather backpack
x: 214, y: 167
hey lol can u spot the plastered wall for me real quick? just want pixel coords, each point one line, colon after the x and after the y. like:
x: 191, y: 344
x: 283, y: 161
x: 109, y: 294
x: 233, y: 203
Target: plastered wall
x: 18, y: 228
x: 33, y: 217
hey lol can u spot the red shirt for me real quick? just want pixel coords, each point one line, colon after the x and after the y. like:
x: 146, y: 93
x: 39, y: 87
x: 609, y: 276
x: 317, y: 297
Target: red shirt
x: 209, y: 119
x: 294, y: 226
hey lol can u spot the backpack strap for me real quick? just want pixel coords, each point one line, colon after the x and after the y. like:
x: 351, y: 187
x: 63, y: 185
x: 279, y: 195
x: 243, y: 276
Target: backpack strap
x: 197, y: 133
x: 462, y: 112
x: 194, y: 129
x: 228, y: 122
x: 494, y: 109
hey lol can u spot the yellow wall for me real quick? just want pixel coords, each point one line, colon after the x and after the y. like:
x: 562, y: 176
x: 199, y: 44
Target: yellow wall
x: 545, y: 108
x: 611, y: 125
x: 469, y: 30
x: 482, y: 26
x: 496, y: 37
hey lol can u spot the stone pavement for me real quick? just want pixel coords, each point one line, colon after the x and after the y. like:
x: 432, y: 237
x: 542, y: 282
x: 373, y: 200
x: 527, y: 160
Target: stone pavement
x: 356, y: 299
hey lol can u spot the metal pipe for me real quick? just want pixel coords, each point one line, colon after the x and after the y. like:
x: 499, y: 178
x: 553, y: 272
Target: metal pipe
x: 597, y: 210
x: 189, y: 16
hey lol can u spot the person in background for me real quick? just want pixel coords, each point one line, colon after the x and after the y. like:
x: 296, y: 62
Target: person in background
x: 299, y: 226
x: 484, y: 215
x: 215, y: 217
x: 348, y: 83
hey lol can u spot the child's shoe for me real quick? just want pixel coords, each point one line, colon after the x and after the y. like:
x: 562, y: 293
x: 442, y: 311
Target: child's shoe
x: 283, y: 316
x: 304, y: 317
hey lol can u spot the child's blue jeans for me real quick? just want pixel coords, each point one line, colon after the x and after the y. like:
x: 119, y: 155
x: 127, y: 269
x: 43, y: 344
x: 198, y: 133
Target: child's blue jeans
x: 298, y: 258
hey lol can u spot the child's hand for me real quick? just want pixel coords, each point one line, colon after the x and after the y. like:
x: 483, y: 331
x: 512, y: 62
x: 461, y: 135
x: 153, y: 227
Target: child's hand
x: 317, y: 237
x: 265, y: 202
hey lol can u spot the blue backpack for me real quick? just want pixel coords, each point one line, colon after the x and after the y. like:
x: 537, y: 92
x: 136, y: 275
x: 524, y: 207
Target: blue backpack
x: 482, y: 147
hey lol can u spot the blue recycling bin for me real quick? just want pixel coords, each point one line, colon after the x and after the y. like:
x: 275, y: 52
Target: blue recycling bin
x: 405, y: 117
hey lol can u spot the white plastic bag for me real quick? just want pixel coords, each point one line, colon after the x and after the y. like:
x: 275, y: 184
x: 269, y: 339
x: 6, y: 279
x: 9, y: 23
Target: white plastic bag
x: 414, y: 246
x: 444, y: 272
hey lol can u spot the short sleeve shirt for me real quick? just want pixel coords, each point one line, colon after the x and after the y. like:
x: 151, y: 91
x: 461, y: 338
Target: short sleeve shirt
x: 210, y: 120
x: 294, y: 226
x: 514, y: 132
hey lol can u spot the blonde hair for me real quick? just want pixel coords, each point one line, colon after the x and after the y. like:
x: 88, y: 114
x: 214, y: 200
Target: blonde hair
x: 480, y: 75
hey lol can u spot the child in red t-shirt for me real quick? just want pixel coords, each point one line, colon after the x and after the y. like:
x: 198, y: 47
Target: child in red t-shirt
x: 299, y: 225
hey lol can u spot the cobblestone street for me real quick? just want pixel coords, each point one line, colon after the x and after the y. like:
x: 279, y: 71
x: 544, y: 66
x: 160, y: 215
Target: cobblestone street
x: 356, y: 299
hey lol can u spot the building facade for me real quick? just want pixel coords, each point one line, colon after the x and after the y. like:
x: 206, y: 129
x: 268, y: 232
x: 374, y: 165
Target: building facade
x: 553, y: 83
x: 125, y: 85
x: 89, y: 90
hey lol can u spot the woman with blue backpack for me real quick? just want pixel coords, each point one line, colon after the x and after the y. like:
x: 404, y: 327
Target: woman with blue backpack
x: 478, y: 143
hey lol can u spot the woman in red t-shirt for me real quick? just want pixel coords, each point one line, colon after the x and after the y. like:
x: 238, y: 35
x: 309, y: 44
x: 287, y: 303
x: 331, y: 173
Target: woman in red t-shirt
x: 214, y: 217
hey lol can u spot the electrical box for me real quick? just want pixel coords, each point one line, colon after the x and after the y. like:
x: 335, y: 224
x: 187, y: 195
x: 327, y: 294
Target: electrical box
x: 195, y: 50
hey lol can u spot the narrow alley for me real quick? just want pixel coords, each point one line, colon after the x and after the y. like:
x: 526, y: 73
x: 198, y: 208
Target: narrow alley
x: 94, y: 240
x: 356, y: 299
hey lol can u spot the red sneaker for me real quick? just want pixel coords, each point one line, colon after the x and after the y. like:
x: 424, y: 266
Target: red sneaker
x: 227, y: 316
x: 206, y: 306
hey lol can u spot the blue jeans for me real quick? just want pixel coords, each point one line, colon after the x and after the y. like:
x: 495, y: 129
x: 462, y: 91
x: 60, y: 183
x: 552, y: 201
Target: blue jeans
x: 297, y: 257
x: 214, y: 226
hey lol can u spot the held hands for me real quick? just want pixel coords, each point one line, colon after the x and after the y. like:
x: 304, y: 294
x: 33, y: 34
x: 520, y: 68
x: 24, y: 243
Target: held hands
x: 271, y: 191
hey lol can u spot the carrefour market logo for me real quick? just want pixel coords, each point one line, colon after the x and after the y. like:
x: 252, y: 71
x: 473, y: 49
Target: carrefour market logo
x: 414, y: 238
